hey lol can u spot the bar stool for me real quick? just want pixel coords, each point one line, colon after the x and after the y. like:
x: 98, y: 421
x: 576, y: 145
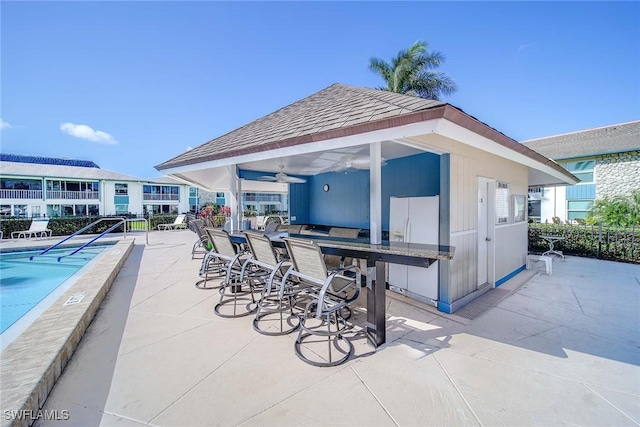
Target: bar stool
x: 322, y: 325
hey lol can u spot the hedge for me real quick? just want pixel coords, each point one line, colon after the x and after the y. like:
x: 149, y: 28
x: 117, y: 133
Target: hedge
x: 611, y: 243
x: 68, y: 226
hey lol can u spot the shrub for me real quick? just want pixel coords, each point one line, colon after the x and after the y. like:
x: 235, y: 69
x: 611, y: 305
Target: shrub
x: 618, y: 211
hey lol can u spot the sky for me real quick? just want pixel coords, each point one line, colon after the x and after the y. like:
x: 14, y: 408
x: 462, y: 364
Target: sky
x: 130, y: 85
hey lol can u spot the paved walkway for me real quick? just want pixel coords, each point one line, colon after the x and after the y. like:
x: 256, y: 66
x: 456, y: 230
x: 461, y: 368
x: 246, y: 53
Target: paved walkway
x: 560, y: 349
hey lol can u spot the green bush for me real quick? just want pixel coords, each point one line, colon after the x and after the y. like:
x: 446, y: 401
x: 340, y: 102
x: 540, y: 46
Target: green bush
x: 618, y: 211
x: 593, y: 241
x: 61, y: 226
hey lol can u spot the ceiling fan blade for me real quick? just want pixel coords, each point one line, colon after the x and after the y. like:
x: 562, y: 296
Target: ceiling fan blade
x: 268, y: 178
x: 294, y: 180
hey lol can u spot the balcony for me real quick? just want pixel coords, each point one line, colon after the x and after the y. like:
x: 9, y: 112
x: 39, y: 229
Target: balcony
x: 161, y: 197
x: 21, y: 194
x: 73, y: 195
x: 261, y: 197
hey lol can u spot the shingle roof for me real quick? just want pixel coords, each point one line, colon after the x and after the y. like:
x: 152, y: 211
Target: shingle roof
x: 60, y: 171
x: 46, y: 160
x: 165, y: 180
x: 604, y: 140
x: 338, y: 106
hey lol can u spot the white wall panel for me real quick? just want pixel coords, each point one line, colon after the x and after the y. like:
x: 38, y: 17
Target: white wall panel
x: 511, y: 248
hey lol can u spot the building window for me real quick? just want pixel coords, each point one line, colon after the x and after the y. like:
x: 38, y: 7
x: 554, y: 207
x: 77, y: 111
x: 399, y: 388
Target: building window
x: 122, y: 209
x: 502, y: 202
x: 161, y: 209
x: 5, y: 210
x: 160, y: 192
x: 582, y: 169
x: 122, y: 189
x: 9, y: 184
x: 578, y: 209
x: 193, y: 192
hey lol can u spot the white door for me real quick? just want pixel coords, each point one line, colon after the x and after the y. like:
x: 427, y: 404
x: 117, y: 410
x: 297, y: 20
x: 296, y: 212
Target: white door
x: 484, y: 238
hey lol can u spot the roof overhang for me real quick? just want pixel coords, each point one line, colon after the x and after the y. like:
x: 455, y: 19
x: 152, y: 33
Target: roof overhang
x: 211, y: 172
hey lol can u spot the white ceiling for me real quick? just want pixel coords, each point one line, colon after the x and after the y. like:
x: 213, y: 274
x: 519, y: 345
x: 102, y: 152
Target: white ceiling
x: 327, y: 161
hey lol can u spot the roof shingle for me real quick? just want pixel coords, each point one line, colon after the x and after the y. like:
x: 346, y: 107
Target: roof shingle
x: 591, y: 142
x: 338, y: 106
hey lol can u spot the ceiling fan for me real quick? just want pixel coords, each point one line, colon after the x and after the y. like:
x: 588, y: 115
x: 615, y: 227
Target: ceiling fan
x: 282, y: 177
x: 359, y: 164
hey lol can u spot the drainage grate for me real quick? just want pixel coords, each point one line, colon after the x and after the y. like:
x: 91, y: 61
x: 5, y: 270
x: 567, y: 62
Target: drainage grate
x: 483, y: 303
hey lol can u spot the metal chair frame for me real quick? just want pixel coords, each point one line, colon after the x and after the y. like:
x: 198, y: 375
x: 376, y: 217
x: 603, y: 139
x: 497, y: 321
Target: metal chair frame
x: 330, y: 295
x: 271, y: 301
x: 232, y: 290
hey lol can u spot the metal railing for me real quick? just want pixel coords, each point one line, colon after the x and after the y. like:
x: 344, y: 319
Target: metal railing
x: 120, y: 221
x: 73, y: 195
x: 20, y: 194
x: 155, y: 197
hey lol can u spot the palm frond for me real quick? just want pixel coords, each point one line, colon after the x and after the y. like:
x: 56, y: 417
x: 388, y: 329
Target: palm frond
x: 411, y: 72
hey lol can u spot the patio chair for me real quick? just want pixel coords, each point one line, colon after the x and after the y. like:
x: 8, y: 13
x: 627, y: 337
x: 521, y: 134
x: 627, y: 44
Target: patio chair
x: 278, y: 295
x: 37, y: 228
x: 323, y: 314
x: 294, y: 229
x: 212, y: 266
x: 177, y: 224
x: 202, y: 245
x: 271, y: 227
x: 333, y: 261
x: 233, y: 292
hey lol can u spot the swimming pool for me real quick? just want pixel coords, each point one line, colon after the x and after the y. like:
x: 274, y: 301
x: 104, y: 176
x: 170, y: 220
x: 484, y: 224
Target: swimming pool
x: 24, y: 283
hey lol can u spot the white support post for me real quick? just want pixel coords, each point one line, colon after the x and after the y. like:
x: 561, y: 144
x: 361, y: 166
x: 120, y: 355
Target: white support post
x: 233, y: 193
x: 375, y: 192
x: 239, y: 200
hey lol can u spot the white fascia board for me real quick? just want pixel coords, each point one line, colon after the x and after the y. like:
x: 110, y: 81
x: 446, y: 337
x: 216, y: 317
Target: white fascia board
x: 420, y: 146
x: 399, y: 132
x: 458, y: 133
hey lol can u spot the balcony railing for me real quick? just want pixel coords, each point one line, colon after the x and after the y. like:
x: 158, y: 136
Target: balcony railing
x: 262, y: 198
x: 21, y: 194
x: 73, y: 195
x: 174, y: 197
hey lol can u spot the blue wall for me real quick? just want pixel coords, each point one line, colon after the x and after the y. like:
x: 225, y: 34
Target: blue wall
x: 346, y: 204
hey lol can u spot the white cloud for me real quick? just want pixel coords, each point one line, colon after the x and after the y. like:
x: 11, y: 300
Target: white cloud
x: 86, y: 132
x: 524, y: 46
x: 5, y: 125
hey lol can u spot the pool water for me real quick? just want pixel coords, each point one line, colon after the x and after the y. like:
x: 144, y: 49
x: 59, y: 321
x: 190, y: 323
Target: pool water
x: 24, y: 283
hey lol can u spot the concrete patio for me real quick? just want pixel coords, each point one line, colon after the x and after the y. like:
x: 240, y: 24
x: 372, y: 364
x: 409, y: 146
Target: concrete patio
x: 542, y: 350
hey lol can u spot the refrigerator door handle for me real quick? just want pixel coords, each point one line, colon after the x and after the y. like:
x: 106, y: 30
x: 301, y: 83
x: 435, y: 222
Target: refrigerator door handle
x: 408, y: 230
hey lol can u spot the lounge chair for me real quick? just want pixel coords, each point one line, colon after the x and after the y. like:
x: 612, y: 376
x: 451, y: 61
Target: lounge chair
x: 324, y: 314
x: 37, y: 228
x: 178, y: 223
x: 260, y: 223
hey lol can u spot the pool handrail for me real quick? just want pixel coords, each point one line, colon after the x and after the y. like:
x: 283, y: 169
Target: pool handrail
x: 93, y: 240
x: 120, y: 221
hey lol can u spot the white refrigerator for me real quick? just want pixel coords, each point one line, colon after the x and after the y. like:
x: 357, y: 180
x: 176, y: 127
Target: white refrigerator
x: 415, y: 220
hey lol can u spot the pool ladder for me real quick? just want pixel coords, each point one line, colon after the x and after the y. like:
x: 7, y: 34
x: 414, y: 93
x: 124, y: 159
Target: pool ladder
x: 121, y: 221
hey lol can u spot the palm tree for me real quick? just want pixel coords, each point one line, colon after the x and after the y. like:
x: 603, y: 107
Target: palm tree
x: 411, y: 72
